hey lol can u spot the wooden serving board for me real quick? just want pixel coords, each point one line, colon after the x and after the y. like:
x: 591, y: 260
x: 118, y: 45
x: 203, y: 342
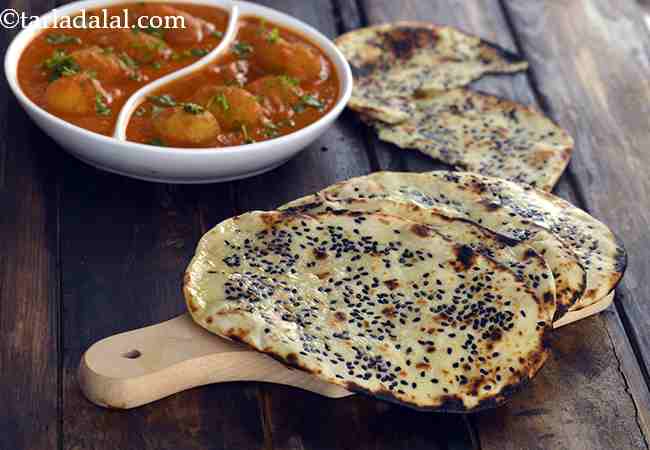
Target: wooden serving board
x: 140, y: 366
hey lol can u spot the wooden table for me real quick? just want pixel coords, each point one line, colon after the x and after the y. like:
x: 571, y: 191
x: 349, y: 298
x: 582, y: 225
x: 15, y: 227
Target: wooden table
x: 85, y: 254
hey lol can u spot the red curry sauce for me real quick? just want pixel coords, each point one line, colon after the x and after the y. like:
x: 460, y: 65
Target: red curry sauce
x: 271, y: 82
x: 84, y: 76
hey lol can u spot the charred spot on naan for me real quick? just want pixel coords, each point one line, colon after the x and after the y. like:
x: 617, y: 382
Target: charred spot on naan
x: 402, y: 41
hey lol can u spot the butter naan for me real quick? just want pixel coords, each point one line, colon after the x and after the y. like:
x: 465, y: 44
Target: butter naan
x: 393, y: 62
x: 372, y: 302
x: 485, y: 134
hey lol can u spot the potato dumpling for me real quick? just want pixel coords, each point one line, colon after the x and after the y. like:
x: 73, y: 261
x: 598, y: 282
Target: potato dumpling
x: 187, y: 124
x: 295, y: 59
x: 105, y: 66
x: 277, y: 93
x: 193, y: 32
x: 76, y: 94
x: 233, y: 107
x: 138, y: 45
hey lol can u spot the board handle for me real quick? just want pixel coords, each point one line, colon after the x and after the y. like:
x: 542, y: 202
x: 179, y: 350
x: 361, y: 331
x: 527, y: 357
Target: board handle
x: 140, y: 366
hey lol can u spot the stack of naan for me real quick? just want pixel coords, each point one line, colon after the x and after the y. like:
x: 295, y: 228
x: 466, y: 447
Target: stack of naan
x: 437, y: 291
x: 410, y: 85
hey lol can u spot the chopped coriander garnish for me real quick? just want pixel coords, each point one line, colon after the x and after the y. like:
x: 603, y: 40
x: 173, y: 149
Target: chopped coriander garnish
x: 308, y: 100
x: 299, y: 107
x: 155, y: 110
x: 61, y: 64
x: 156, y: 141
x: 100, y: 106
x: 242, y: 49
x: 57, y: 39
x: 163, y: 100
x: 193, y: 108
x: 156, y: 65
x: 219, y: 100
x: 247, y: 138
x: 312, y: 101
x: 217, y: 34
x: 288, y: 80
x: 141, y: 111
x: 273, y: 36
x: 199, y: 52
x: 128, y: 61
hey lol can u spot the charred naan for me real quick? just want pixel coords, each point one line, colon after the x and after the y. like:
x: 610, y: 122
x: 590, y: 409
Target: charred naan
x: 556, y: 229
x: 392, y: 62
x: 485, y: 134
x: 372, y: 302
x: 519, y: 258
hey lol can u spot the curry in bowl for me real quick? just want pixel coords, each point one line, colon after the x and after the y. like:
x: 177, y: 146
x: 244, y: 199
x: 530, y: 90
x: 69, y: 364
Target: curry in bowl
x: 85, y: 75
x: 270, y: 82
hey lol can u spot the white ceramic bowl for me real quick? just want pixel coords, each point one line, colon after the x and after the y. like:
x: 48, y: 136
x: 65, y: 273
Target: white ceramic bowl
x: 176, y: 165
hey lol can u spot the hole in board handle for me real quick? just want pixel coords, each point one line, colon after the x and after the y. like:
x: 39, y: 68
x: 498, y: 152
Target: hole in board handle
x: 133, y: 354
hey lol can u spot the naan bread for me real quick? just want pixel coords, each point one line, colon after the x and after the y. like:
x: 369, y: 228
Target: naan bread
x: 371, y: 302
x: 521, y: 259
x: 392, y: 62
x: 545, y: 222
x: 485, y: 134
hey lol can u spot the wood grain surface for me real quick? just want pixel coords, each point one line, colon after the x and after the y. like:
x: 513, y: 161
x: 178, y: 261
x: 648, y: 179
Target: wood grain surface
x: 30, y: 347
x: 86, y: 254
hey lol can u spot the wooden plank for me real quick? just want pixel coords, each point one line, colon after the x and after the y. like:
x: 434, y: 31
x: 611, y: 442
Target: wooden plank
x: 300, y: 420
x: 29, y: 279
x: 29, y: 289
x: 124, y: 246
x: 593, y: 75
x: 558, y: 414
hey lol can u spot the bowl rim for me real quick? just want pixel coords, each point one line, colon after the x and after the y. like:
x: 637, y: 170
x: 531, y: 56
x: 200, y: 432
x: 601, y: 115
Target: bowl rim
x: 341, y: 66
